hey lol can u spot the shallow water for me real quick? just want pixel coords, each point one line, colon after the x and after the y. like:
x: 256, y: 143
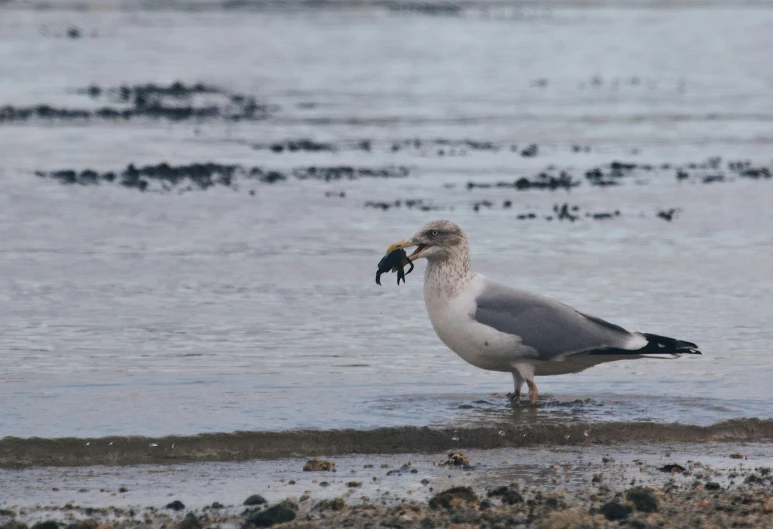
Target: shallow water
x: 124, y: 312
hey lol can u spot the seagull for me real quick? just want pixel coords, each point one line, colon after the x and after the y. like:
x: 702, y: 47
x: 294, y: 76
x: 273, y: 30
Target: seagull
x: 499, y: 328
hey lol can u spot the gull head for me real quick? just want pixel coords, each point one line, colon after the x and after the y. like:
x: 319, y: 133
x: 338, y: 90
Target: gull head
x: 436, y: 241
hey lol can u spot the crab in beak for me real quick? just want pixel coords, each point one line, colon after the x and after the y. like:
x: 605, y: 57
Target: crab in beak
x: 408, y: 243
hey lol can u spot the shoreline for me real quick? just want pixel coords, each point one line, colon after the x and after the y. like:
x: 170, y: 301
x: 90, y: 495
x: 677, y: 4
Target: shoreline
x: 18, y: 453
x: 650, y: 485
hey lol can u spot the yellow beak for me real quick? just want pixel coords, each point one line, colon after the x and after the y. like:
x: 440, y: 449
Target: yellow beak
x: 399, y: 245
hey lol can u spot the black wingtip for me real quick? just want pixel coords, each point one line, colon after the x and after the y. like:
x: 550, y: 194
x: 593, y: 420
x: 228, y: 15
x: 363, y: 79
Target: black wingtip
x: 656, y: 345
x: 665, y: 345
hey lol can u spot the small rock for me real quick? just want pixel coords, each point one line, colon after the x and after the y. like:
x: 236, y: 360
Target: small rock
x: 511, y: 497
x: 336, y: 504
x: 453, y: 497
x: 485, y: 504
x: 613, y: 511
x: 255, y: 499
x: 712, y: 485
x: 643, y: 499
x: 189, y: 522
x: 280, y: 513
x: 176, y: 505
x: 455, y: 459
x: 216, y: 505
x: 499, y: 491
x: 13, y: 524
x: 49, y: 524
x: 673, y: 468
x: 314, y: 465
x: 324, y: 484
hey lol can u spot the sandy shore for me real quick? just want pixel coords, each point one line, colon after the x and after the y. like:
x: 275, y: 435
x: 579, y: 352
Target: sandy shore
x: 726, y: 484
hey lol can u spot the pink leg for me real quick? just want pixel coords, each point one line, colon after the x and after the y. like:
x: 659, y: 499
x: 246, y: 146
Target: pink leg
x: 532, y: 391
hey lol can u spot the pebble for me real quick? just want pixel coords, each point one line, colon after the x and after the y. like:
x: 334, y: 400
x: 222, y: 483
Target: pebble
x: 453, y: 497
x: 281, y: 513
x: 613, y: 511
x: 255, y: 499
x: 316, y: 465
x: 176, y: 505
x: 456, y: 459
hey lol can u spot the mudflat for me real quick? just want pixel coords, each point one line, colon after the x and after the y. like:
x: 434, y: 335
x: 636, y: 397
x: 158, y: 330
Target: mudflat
x: 649, y: 485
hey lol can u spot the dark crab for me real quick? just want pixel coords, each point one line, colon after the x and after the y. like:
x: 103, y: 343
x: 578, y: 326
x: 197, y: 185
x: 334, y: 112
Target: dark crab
x: 394, y: 261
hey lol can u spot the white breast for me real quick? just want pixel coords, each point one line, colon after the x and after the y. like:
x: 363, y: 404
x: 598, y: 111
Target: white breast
x: 451, y: 310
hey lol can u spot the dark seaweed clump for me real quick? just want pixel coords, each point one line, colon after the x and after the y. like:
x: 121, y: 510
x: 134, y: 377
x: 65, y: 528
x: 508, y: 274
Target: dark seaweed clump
x: 449, y: 147
x: 561, y: 212
x: 542, y: 180
x: 713, y: 171
x: 175, y: 102
x: 302, y: 145
x: 201, y: 176
x: 617, y: 172
x: 668, y: 214
x: 425, y: 8
x: 422, y: 147
x: 347, y: 172
x: 307, y: 145
x: 165, y: 177
x: 710, y: 171
x: 416, y: 203
x: 611, y: 175
x: 572, y: 213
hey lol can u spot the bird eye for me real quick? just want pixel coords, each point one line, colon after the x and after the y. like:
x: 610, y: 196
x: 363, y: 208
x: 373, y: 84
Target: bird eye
x: 434, y: 233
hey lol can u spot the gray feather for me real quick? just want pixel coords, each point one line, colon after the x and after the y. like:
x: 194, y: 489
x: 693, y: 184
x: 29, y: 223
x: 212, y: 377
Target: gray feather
x: 551, y: 328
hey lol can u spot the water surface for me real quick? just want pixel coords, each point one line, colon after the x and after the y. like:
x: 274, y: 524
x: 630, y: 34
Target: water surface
x: 124, y: 312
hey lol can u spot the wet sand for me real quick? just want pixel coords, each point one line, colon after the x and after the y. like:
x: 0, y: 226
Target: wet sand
x: 242, y: 446
x: 647, y: 485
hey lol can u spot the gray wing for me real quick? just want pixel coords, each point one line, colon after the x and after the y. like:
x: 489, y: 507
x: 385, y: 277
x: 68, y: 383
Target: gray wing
x: 551, y: 328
